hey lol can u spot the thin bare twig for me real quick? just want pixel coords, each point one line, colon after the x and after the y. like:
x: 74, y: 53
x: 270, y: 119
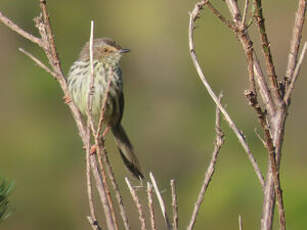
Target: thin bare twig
x: 174, y: 205
x: 115, y: 186
x: 108, y: 207
x: 219, y: 15
x: 254, y: 68
x: 39, y: 63
x: 51, y: 48
x: 275, y: 172
x: 88, y: 165
x: 91, y: 87
x: 161, y: 201
x: 266, y: 49
x: 295, y: 75
x: 150, y: 207
x: 48, y: 44
x: 6, y: 21
x: 93, y: 223
x: 103, y: 108
x: 260, y: 138
x: 245, y: 12
x: 240, y: 223
x: 193, y: 17
x: 210, y: 170
x: 102, y: 192
x: 137, y: 204
x: 101, y: 151
x: 92, y: 219
x: 296, y: 40
x: 264, y: 90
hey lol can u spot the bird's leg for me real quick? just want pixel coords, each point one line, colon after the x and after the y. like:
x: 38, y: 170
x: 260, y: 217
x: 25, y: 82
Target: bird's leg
x: 93, y: 150
x: 94, y: 147
x: 67, y: 99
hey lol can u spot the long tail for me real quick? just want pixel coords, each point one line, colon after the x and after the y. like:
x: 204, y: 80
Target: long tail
x: 126, y: 151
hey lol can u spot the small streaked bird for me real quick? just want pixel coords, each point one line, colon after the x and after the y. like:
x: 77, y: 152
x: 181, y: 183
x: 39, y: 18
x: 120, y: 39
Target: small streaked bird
x: 106, y: 57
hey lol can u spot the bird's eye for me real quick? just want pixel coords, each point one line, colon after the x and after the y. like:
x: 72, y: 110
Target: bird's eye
x: 105, y: 50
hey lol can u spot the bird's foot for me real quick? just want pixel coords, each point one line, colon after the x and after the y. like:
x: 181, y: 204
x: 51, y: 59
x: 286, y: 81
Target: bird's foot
x: 93, y: 149
x: 67, y: 99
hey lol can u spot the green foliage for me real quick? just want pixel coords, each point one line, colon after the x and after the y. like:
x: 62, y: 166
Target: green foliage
x: 5, y: 190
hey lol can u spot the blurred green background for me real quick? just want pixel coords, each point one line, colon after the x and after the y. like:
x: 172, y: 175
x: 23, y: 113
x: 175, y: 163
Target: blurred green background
x: 168, y: 115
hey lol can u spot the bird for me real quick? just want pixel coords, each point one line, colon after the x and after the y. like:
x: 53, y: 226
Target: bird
x: 108, y: 77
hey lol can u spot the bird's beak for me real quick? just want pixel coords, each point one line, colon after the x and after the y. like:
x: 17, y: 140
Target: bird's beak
x: 124, y: 51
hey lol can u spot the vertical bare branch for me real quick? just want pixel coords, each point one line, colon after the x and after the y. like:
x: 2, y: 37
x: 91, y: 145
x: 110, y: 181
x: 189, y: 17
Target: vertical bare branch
x: 89, y: 105
x: 90, y: 120
x: 93, y: 223
x: 254, y: 68
x: 174, y: 205
x: 102, y: 192
x: 263, y: 87
x: 150, y: 207
x: 193, y: 17
x: 101, y: 152
x: 210, y: 170
x: 89, y: 189
x: 161, y: 201
x: 266, y: 48
x: 102, y: 156
x: 295, y: 75
x: 108, y: 207
x: 247, y: 44
x: 245, y: 12
x: 240, y: 223
x: 137, y: 204
x: 296, y: 40
x: 55, y: 61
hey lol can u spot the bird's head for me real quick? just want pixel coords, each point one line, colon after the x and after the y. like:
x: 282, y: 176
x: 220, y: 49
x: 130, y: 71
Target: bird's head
x: 105, y: 50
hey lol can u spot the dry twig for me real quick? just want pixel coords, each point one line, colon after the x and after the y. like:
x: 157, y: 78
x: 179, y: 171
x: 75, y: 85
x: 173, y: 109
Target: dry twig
x: 193, y: 17
x: 137, y: 204
x: 93, y: 223
x: 174, y: 205
x: 266, y: 49
x: 296, y: 40
x: 150, y: 207
x: 39, y: 63
x: 240, y: 223
x: 210, y: 170
x: 48, y: 44
x: 295, y: 75
x: 108, y: 207
x: 6, y: 21
x: 161, y: 201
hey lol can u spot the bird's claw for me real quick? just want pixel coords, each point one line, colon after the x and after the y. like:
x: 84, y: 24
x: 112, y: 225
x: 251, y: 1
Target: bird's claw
x: 93, y: 150
x: 67, y: 99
